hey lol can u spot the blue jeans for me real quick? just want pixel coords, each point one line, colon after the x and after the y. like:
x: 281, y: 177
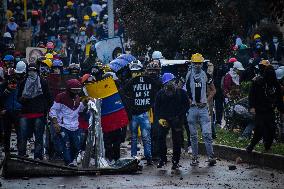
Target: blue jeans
x: 143, y: 121
x: 56, y: 143
x: 200, y: 115
x: 248, y: 130
x: 28, y: 126
x: 71, y: 144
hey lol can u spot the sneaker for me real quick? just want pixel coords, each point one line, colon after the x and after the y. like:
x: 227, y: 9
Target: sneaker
x: 149, y: 162
x: 189, y: 150
x: 175, y: 166
x: 161, y: 164
x: 194, y: 162
x: 73, y: 164
x: 249, y: 149
x: 211, y: 161
x: 79, y: 158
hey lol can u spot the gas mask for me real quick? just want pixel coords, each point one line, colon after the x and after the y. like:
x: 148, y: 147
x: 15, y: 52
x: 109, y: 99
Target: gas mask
x: 32, y: 74
x: 275, y: 40
x: 197, y: 67
x: 170, y: 88
x: 74, y: 92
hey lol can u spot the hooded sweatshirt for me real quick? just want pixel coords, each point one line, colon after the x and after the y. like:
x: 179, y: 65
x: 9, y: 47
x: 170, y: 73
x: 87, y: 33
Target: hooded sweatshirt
x: 66, y: 109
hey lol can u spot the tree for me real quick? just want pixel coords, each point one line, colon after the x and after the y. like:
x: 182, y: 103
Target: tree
x: 205, y: 26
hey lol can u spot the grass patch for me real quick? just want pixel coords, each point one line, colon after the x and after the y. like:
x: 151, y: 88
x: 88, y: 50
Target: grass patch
x: 230, y: 138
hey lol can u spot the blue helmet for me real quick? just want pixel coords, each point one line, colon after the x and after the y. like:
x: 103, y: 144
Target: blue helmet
x: 57, y: 63
x: 9, y: 58
x: 167, y: 77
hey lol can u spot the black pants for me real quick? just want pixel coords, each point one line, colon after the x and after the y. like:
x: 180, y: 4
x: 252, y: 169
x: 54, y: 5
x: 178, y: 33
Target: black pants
x: 10, y: 118
x: 112, y: 141
x: 177, y: 131
x: 264, y: 129
x: 187, y: 132
x: 155, y: 138
x: 219, y: 107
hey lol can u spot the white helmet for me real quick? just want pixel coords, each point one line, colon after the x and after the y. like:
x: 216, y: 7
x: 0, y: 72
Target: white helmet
x: 72, y: 19
x: 21, y: 67
x: 7, y: 34
x: 157, y: 55
x: 105, y: 17
x: 135, y: 65
x: 237, y: 65
x: 280, y: 72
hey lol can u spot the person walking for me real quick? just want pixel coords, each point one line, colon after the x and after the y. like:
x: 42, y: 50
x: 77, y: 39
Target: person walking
x: 171, y: 105
x: 264, y: 96
x: 35, y: 99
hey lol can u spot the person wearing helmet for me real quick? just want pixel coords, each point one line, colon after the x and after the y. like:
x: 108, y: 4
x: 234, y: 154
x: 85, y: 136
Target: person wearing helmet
x: 8, y: 63
x: 67, y: 107
x: 57, y: 67
x: 50, y: 47
x: 21, y: 69
x: 231, y: 81
x: 136, y: 68
x: 35, y: 99
x: 171, y: 105
x: 72, y: 28
x: 264, y: 96
x: 12, y: 27
x: 10, y: 106
x: 102, y: 30
x: 200, y: 89
x: 138, y: 93
x: 82, y: 39
x: 44, y: 67
x: 74, y: 70
x: 153, y: 70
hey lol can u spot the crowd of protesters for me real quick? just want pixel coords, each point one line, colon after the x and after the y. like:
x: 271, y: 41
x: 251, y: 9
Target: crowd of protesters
x: 45, y: 100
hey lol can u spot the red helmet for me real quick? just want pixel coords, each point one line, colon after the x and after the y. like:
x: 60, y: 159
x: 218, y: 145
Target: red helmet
x: 232, y: 60
x: 49, y: 45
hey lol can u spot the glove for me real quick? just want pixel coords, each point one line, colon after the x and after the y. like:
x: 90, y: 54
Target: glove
x: 57, y: 128
x: 163, y: 123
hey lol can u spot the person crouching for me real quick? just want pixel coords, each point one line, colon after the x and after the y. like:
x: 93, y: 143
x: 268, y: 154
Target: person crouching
x: 64, y: 114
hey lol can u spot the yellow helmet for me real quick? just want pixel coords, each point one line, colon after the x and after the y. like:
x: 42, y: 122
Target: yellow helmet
x: 197, y: 58
x: 69, y: 4
x: 86, y: 17
x: 265, y: 62
x: 256, y: 36
x: 94, y: 14
x: 48, y: 62
x: 106, y: 68
x: 49, y: 56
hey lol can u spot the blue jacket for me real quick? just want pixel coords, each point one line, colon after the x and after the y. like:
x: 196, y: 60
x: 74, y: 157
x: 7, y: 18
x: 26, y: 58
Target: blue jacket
x: 9, y: 99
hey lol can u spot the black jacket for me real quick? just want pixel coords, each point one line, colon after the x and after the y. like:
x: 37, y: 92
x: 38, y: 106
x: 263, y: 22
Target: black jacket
x: 264, y: 98
x: 171, y: 107
x: 39, y: 104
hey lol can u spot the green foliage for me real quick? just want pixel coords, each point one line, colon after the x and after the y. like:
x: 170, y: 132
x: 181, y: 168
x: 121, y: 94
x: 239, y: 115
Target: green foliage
x: 230, y: 138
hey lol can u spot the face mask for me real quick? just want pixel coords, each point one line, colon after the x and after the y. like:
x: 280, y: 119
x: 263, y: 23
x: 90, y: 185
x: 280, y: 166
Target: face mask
x: 32, y: 73
x: 170, y: 88
x: 197, y: 68
x: 18, y: 59
x: 83, y: 33
x: 275, y: 40
x: 49, y: 18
